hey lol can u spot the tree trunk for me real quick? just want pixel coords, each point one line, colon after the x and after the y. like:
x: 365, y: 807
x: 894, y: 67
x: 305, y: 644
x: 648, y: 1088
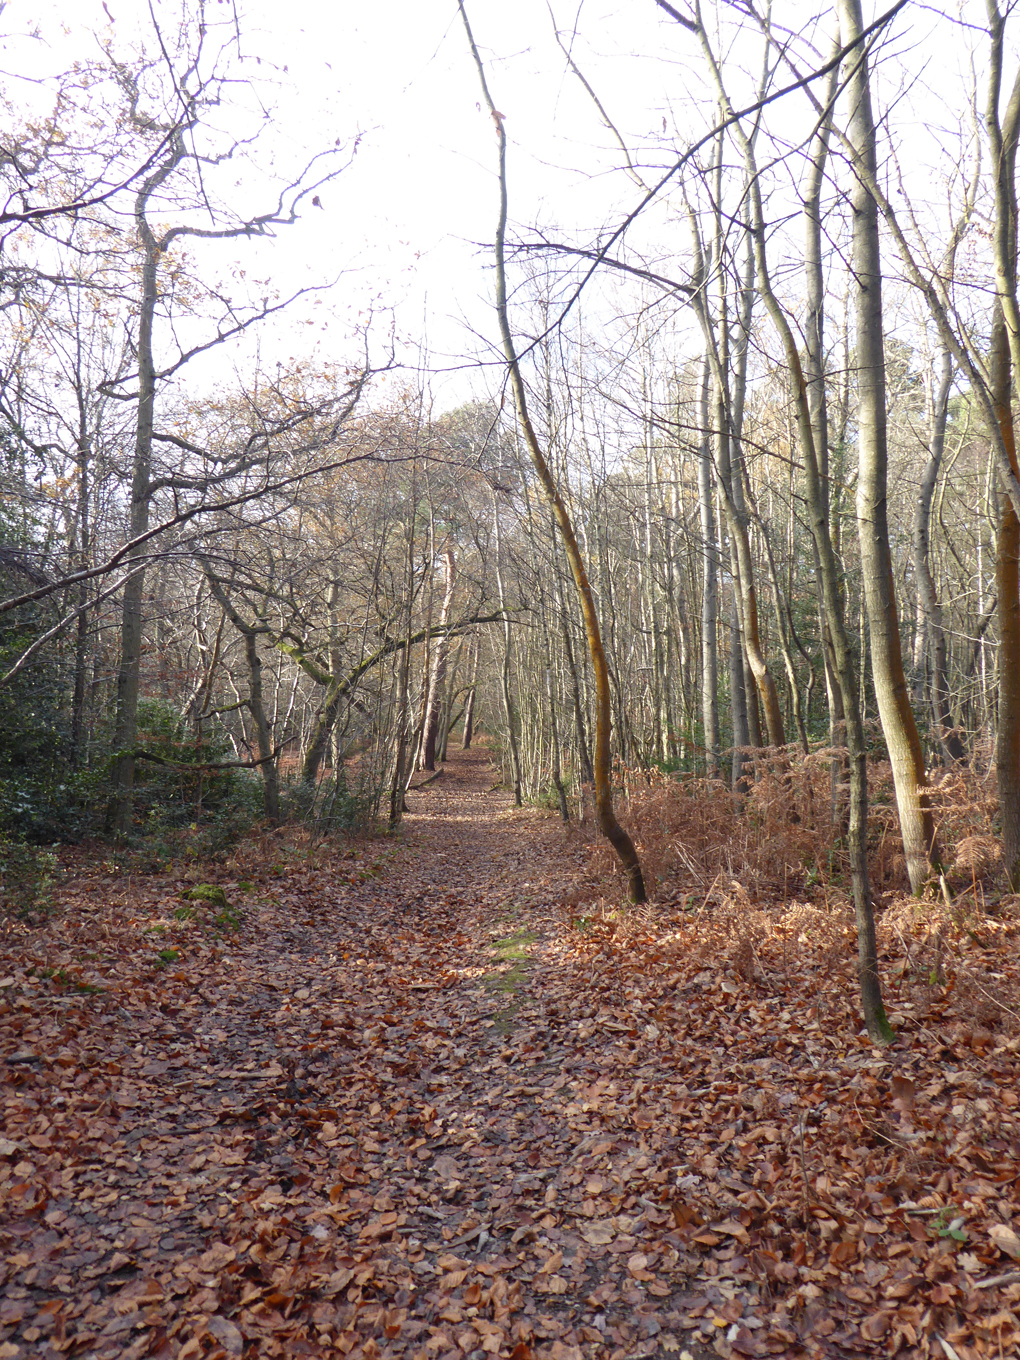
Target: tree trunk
x: 784, y: 622
x: 1005, y: 366
x: 867, y: 948
x: 318, y: 742
x: 469, y: 707
x: 505, y: 669
x: 917, y: 825
x: 554, y: 729
x: 608, y: 823
x: 84, y: 545
x: 437, y: 677
x: 118, y: 815
x: 710, y: 587
x: 268, y: 768
x: 448, y: 719
x: 398, y: 780
x: 129, y: 671
x: 819, y: 506
x: 765, y: 685
x: 263, y: 733
x: 949, y: 735
x: 740, y: 779
x: 812, y: 423
x: 1007, y: 589
x: 583, y: 754
x: 728, y: 414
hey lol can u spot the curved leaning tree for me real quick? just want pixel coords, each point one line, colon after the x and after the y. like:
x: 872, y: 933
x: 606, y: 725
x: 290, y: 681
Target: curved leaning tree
x: 601, y: 754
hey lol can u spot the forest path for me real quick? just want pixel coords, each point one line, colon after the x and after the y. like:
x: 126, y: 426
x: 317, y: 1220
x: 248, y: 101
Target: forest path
x: 441, y: 1098
x: 366, y: 1124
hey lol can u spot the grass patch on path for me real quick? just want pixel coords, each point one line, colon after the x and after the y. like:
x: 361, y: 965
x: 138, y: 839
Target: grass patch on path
x: 514, y: 951
x: 509, y: 981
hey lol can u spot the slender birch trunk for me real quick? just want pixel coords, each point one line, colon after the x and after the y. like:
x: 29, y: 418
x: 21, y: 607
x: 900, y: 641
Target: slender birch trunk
x: 1003, y: 131
x: 583, y: 754
x: 818, y: 416
x: 931, y: 608
x: 728, y: 410
x: 1007, y: 588
x: 437, y: 675
x: 509, y: 709
x: 398, y: 779
x: 739, y: 776
x: 867, y: 947
x: 469, y: 707
x: 710, y: 587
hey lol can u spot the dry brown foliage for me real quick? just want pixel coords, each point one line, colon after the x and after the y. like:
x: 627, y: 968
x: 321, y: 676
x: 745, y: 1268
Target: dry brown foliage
x: 445, y: 1098
x: 786, y: 836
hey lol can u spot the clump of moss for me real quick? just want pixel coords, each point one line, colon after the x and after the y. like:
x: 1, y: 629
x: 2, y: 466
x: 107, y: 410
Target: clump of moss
x: 222, y: 914
x: 211, y: 893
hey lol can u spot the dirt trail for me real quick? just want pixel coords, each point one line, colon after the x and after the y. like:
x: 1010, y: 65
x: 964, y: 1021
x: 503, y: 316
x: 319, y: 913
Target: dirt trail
x: 416, y: 1107
x: 348, y: 1129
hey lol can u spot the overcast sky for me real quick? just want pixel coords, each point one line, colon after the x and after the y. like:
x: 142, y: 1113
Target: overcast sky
x: 403, y: 224
x: 401, y: 227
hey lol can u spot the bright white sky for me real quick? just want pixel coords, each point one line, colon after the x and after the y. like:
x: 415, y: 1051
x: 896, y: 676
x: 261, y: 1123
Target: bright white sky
x: 401, y: 223
x: 422, y: 191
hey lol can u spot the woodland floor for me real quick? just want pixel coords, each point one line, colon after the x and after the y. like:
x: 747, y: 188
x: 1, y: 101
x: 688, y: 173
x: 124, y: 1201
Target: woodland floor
x: 439, y: 1097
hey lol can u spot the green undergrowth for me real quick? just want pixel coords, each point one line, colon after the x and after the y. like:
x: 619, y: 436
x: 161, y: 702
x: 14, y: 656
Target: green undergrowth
x: 506, y: 981
x: 70, y: 981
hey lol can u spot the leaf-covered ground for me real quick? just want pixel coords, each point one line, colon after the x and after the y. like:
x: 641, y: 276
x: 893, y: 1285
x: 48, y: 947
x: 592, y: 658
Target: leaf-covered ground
x: 441, y: 1098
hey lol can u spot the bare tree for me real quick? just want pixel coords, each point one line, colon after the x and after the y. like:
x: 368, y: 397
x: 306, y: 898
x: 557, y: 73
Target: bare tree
x: 608, y: 823
x: 171, y: 111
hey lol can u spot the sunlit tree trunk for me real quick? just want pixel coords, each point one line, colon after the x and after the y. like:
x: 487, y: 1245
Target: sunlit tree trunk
x: 902, y: 740
x: 608, y: 823
x: 506, y: 689
x: 402, y: 716
x: 583, y: 754
x: 867, y: 946
x: 818, y: 416
x: 554, y: 729
x: 469, y: 707
x: 1007, y: 587
x: 1003, y: 130
x: 740, y: 733
x: 727, y: 420
x: 450, y: 716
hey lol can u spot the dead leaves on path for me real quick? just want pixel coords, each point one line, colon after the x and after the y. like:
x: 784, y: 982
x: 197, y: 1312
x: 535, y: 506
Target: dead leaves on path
x: 333, y: 1134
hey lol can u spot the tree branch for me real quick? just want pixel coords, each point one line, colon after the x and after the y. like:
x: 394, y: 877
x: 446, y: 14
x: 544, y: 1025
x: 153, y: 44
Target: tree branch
x: 599, y: 257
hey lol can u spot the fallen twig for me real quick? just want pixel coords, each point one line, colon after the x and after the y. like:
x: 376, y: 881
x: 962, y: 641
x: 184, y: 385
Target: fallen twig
x: 1011, y: 1277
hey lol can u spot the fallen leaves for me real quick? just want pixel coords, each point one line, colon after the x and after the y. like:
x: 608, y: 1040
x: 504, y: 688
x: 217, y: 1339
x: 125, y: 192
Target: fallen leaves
x: 903, y: 1092
x: 226, y: 1334
x: 328, y: 1135
x: 1006, y: 1239
x: 598, y: 1234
